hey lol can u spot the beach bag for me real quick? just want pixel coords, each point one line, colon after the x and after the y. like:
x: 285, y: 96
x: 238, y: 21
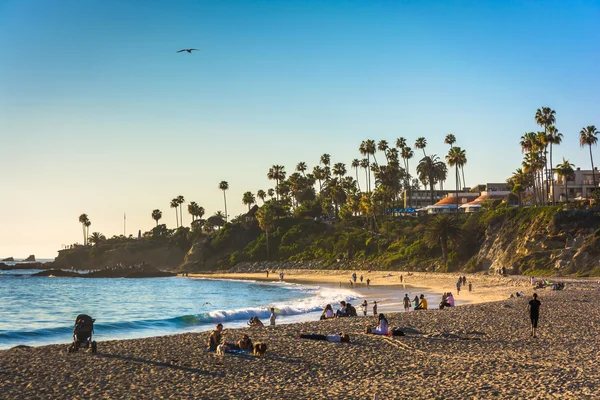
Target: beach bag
x: 397, y: 332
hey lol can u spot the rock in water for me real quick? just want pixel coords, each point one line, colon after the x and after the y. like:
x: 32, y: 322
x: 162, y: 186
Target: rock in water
x: 9, y: 259
x: 30, y: 258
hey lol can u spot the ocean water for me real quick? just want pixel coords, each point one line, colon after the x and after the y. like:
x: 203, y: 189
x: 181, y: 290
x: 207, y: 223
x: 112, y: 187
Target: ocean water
x: 42, y: 310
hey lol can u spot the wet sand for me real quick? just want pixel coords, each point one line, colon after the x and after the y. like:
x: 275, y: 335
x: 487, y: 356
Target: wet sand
x: 474, y: 351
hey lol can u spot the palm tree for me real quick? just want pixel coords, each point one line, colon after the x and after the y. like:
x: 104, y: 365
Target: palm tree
x: 456, y: 158
x: 180, y: 201
x: 326, y: 159
x: 248, y: 199
x: 441, y: 230
x: 588, y: 137
x: 261, y: 195
x: 96, y: 238
x: 430, y: 170
x: 156, y: 215
x: 545, y: 117
x: 175, y: 205
x: 266, y: 221
x: 271, y: 193
x: 554, y: 137
x: 565, y: 169
x: 450, y: 139
x: 520, y: 180
x: 193, y: 210
x: 407, y: 154
x: 420, y: 144
x: 276, y: 173
x: 339, y: 170
x: 371, y: 149
x: 200, y: 212
x: 530, y: 145
x: 301, y: 167
x: 383, y: 146
x: 87, y: 230
x: 356, y: 164
x: 224, y: 186
x: 83, y: 218
x: 364, y: 163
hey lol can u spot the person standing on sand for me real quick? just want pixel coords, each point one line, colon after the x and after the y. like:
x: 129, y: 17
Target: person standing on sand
x: 406, y: 302
x: 267, y: 273
x: 470, y: 286
x: 273, y: 317
x: 458, y: 287
x: 375, y: 308
x: 401, y: 279
x: 365, y: 307
x: 416, y: 302
x: 361, y: 279
x: 368, y: 281
x: 534, y: 313
x: 354, y: 277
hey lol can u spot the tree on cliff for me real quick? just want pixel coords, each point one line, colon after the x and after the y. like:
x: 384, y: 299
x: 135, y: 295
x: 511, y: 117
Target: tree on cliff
x: 545, y: 117
x: 564, y: 170
x: 456, y: 158
x: 175, y: 205
x: 588, y: 137
x: 554, y: 137
x: 83, y: 218
x: 248, y: 199
x: 276, y: 173
x: 261, y: 195
x: 96, y: 238
x: 440, y: 231
x: 156, y: 215
x: 224, y: 186
x: 266, y: 220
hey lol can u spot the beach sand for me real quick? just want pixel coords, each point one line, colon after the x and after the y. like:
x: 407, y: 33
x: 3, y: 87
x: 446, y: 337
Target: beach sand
x: 474, y: 351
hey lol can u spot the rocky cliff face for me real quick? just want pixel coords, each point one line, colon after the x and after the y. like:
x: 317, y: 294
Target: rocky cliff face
x: 561, y: 242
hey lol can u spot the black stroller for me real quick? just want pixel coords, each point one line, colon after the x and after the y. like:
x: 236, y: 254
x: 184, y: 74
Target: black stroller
x: 82, y: 334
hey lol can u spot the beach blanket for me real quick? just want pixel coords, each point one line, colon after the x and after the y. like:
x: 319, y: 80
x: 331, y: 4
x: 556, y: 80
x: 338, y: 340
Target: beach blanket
x: 232, y: 351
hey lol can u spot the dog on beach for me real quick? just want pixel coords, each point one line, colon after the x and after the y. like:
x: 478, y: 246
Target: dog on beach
x: 260, y: 349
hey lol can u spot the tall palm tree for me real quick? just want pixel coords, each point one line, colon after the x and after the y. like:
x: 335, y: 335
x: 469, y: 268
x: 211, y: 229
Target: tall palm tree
x: 530, y: 146
x: 87, y: 229
x: 450, y: 140
x: 519, y: 180
x: 224, y: 186
x: 430, y: 170
x: 248, y: 199
x: 400, y: 143
x: 180, y: 201
x: 339, y: 170
x: 420, y: 144
x: 565, y: 169
x: 406, y: 154
x: 383, y: 146
x: 175, y: 205
x: 83, y: 218
x: 301, y: 167
x: 588, y: 137
x: 156, y: 215
x: 456, y: 158
x: 371, y: 149
x: 276, y: 173
x: 326, y: 159
x: 441, y: 230
x: 261, y: 195
x: 271, y: 193
x: 545, y: 117
x: 200, y: 211
x: 356, y: 165
x: 364, y: 163
x: 554, y: 138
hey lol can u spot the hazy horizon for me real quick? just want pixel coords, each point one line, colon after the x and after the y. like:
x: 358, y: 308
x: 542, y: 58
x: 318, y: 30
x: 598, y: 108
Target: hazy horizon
x: 100, y: 115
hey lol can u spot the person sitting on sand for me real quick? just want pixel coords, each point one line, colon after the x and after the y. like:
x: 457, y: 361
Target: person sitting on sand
x: 255, y: 322
x: 342, y: 311
x: 416, y: 302
x: 327, y: 312
x: 214, y: 339
x: 444, y: 302
x: 382, y: 328
x: 450, y: 299
x: 245, y: 343
x: 422, y: 304
x: 336, y: 338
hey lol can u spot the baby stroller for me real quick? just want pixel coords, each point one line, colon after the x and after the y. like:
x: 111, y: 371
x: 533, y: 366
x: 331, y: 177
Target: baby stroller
x: 82, y: 334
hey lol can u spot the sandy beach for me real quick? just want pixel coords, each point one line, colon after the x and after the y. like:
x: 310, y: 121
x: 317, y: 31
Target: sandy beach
x: 479, y: 350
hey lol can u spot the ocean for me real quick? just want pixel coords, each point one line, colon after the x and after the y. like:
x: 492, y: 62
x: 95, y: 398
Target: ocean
x: 41, y: 310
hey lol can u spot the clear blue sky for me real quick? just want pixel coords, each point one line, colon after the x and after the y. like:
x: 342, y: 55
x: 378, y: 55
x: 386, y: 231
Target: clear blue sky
x: 98, y: 114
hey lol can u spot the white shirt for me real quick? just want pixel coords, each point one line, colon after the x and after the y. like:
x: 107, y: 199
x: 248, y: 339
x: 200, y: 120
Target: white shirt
x: 328, y: 313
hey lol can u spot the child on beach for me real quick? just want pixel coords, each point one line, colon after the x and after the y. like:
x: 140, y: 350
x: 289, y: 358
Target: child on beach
x: 364, y: 307
x: 272, y: 317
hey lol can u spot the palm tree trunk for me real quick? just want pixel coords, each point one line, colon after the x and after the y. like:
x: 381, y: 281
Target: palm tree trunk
x: 225, y: 201
x: 369, y: 175
x: 464, y: 182
x: 593, y: 172
x: 546, y: 175
x: 357, y: 182
x: 176, y: 218
x: 83, y: 226
x: 457, y: 183
x: 533, y: 187
x: 566, y: 191
x: 552, y: 174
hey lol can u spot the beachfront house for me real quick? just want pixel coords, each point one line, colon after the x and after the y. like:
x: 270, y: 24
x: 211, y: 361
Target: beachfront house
x: 449, y: 203
x: 580, y: 185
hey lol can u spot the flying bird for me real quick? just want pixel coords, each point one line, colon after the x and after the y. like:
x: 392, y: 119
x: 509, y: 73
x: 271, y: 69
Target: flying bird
x: 188, y: 50
x: 206, y: 304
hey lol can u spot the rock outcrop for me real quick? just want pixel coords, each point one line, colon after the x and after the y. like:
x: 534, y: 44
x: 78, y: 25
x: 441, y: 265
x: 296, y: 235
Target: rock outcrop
x: 31, y: 258
x: 9, y: 259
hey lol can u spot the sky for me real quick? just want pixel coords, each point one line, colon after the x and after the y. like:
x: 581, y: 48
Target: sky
x: 100, y: 115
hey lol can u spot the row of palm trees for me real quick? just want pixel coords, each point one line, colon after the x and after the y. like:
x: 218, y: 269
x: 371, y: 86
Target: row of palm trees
x: 536, y: 170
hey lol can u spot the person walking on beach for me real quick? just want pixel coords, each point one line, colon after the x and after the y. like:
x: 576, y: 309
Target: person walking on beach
x: 406, y: 302
x: 534, y: 313
x: 273, y: 317
x: 401, y: 278
x: 361, y: 279
x: 354, y: 277
x: 365, y: 307
x: 267, y: 273
x: 470, y: 286
x: 458, y: 287
x: 368, y: 281
x: 375, y: 308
